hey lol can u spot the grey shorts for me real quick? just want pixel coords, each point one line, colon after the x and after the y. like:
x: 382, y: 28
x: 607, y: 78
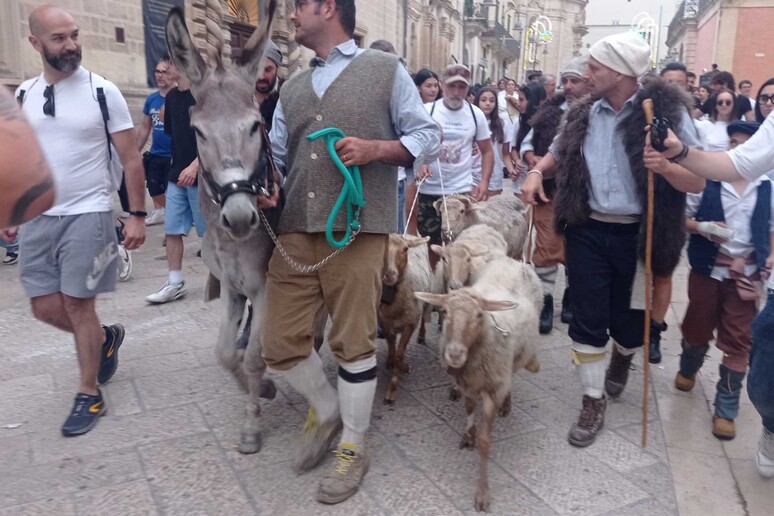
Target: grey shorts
x: 72, y: 254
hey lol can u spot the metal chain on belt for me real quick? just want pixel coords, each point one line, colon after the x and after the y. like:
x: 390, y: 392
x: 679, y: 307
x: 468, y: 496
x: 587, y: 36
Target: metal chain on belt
x: 300, y: 267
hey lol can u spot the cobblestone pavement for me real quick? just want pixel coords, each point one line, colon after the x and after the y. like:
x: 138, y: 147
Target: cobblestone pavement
x: 168, y: 443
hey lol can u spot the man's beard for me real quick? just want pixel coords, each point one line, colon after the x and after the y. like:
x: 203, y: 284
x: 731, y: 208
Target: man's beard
x: 65, y: 62
x: 265, y: 87
x: 454, y: 103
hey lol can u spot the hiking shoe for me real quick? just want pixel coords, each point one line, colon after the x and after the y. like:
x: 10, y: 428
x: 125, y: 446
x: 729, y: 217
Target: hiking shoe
x: 547, y: 315
x: 345, y: 476
x: 167, y: 293
x: 11, y: 257
x: 684, y: 383
x: 83, y: 417
x: 590, y: 422
x: 617, y: 373
x: 124, y: 264
x: 722, y: 428
x: 764, y: 458
x: 316, y: 439
x: 114, y: 337
x: 156, y: 217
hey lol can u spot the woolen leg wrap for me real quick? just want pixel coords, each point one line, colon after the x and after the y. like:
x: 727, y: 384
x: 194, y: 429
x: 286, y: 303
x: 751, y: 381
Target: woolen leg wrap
x: 308, y: 378
x: 591, y: 370
x: 625, y: 351
x: 357, y: 387
x: 547, y: 277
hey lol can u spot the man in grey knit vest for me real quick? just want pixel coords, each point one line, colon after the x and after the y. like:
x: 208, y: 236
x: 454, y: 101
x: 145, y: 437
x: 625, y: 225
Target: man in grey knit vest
x: 369, y: 96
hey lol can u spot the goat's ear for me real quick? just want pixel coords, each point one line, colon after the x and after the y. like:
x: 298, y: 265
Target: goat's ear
x: 414, y: 242
x: 431, y: 299
x: 497, y: 305
x: 437, y: 205
x: 437, y: 249
x: 477, y: 249
x: 181, y: 49
x: 251, y: 60
x: 468, y: 202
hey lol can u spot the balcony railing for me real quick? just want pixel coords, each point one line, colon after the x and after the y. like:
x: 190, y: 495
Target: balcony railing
x: 497, y: 33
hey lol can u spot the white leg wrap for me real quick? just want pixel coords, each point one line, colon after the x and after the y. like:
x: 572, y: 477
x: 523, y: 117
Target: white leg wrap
x: 547, y: 277
x: 356, y: 400
x: 624, y: 351
x: 308, y: 378
x: 591, y: 367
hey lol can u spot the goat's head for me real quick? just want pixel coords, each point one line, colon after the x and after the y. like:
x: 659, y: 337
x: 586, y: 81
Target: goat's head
x: 458, y: 209
x: 396, y: 257
x: 458, y: 261
x: 463, y: 326
x: 229, y: 129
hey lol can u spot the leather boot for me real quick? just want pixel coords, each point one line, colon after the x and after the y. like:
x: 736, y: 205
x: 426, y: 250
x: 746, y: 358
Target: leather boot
x: 690, y: 362
x: 547, y: 315
x: 590, y: 421
x: 656, y: 329
x: 566, y: 316
x: 617, y: 373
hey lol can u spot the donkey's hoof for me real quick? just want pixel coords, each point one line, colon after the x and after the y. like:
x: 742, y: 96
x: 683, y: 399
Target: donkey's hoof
x: 268, y: 390
x: 250, y: 443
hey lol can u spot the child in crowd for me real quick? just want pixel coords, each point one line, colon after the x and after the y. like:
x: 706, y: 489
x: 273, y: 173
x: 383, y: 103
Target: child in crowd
x: 502, y: 135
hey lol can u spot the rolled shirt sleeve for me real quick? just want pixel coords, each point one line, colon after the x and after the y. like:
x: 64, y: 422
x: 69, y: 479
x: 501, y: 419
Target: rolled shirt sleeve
x: 526, y: 144
x: 411, y: 121
x: 279, y: 138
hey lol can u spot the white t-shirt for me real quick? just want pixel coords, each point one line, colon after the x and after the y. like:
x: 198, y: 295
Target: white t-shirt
x: 74, y: 141
x: 713, y: 135
x: 458, y: 132
x: 496, y: 181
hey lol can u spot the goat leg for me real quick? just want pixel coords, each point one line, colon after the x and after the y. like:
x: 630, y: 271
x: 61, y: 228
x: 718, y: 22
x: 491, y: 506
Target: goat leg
x: 390, y: 338
x: 454, y: 393
x: 505, y: 406
x: 405, y: 337
x: 469, y: 437
x: 483, y: 500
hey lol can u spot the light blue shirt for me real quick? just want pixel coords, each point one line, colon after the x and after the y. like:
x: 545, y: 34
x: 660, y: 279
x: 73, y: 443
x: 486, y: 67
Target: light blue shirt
x: 613, y: 186
x: 417, y: 131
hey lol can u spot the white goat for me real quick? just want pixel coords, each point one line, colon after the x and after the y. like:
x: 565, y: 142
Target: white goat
x: 482, y: 349
x: 463, y: 258
x: 505, y: 213
x: 406, y: 270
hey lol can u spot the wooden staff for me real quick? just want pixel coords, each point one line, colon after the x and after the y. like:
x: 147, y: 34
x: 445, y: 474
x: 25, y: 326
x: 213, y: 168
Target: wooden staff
x: 647, y: 106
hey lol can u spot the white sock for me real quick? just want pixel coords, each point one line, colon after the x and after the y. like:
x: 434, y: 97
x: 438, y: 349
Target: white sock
x: 592, y: 377
x: 356, y: 400
x: 308, y: 378
x: 175, y: 277
x: 547, y: 277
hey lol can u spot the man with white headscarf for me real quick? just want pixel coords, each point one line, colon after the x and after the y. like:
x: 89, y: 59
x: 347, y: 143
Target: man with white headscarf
x: 601, y: 194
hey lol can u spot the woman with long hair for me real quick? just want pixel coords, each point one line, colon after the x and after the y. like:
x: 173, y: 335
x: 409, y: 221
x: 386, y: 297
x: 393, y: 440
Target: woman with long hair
x: 530, y: 97
x: 712, y: 130
x: 427, y: 84
x: 502, y: 132
x: 764, y: 102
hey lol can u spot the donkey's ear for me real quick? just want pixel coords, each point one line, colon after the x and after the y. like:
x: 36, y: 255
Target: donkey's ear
x: 251, y: 59
x: 181, y: 48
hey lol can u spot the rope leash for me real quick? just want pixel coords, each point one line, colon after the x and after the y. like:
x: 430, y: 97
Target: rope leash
x: 449, y: 233
x: 413, y: 204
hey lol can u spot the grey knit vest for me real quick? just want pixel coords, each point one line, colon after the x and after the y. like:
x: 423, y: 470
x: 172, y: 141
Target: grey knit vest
x: 358, y: 103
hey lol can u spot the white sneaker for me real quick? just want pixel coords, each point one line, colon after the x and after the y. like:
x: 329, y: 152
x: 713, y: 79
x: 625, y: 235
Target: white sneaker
x: 124, y: 263
x: 156, y: 217
x: 167, y: 293
x: 764, y: 459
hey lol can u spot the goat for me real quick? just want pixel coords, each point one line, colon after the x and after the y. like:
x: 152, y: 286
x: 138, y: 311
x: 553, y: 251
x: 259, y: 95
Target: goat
x: 482, y: 349
x: 463, y: 258
x: 504, y: 213
x: 406, y: 270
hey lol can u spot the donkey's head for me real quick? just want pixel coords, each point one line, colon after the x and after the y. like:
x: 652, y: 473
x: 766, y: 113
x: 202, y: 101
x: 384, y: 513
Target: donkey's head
x: 229, y: 129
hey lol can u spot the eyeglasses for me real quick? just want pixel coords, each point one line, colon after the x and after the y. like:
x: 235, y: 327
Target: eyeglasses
x: 725, y: 102
x: 764, y: 99
x: 48, y: 107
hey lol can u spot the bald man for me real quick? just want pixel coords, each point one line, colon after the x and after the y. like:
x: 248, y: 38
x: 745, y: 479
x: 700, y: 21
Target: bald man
x: 68, y: 254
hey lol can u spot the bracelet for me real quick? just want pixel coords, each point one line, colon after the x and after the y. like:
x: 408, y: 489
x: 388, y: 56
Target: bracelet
x: 138, y: 213
x: 680, y: 157
x: 535, y: 171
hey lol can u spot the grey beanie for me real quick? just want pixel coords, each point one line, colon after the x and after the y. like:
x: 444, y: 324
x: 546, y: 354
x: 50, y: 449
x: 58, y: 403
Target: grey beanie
x: 273, y: 52
x: 575, y: 66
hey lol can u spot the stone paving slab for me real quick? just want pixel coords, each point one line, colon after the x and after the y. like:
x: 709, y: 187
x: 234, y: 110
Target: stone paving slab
x: 168, y: 442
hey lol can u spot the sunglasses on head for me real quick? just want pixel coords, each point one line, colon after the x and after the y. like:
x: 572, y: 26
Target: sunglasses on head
x: 764, y: 99
x: 48, y: 106
x: 458, y: 70
x: 725, y: 102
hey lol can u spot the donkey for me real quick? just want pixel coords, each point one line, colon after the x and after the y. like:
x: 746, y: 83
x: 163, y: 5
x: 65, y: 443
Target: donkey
x: 235, y: 168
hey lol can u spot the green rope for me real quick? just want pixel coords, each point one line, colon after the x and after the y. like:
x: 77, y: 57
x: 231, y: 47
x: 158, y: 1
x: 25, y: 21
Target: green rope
x: 351, y: 191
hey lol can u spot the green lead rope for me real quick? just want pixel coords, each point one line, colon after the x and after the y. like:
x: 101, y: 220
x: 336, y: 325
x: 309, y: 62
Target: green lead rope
x: 351, y: 191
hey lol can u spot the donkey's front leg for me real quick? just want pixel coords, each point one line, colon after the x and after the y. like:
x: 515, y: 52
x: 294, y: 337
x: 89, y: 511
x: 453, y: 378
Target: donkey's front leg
x: 254, y: 369
x: 228, y: 355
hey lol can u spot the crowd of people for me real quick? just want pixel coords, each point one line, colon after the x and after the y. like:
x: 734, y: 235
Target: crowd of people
x: 573, y: 145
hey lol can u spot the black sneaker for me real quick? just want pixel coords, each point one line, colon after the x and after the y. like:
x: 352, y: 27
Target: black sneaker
x: 83, y: 417
x: 11, y: 257
x: 114, y: 337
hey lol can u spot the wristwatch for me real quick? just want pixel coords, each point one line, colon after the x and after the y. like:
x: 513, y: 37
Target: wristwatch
x: 142, y: 214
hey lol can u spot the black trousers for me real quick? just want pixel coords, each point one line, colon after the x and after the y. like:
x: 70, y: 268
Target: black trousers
x: 602, y: 260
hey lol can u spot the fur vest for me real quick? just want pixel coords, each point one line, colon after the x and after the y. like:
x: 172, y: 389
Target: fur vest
x: 545, y: 124
x: 571, y: 205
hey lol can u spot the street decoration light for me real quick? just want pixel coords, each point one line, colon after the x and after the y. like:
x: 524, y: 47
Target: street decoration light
x: 644, y: 25
x: 538, y: 33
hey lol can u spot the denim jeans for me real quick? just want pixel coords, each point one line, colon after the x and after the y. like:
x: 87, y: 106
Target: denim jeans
x: 401, y: 206
x: 760, y: 379
x: 11, y: 247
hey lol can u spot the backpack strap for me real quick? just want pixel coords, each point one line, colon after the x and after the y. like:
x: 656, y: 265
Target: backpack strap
x: 20, y: 97
x: 105, y: 117
x: 473, y: 114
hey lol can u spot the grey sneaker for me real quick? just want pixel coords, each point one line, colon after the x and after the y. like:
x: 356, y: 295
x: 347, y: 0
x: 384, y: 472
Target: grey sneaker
x: 167, y: 293
x: 764, y: 458
x: 316, y: 440
x: 345, y: 476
